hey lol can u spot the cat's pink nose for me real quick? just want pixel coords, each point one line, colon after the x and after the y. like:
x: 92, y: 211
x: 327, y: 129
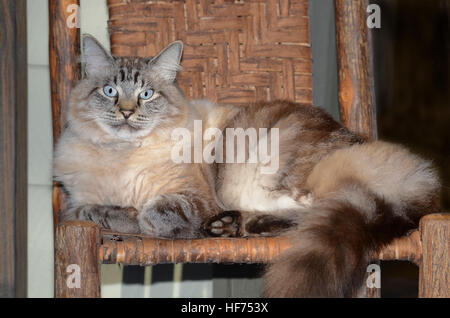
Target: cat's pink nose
x: 127, y: 113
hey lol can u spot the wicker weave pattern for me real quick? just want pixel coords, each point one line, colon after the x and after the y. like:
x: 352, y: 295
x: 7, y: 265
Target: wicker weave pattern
x: 235, y: 51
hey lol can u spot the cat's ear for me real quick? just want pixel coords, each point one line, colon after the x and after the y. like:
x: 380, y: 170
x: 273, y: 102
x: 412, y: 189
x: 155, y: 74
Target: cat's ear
x: 167, y: 63
x: 95, y: 58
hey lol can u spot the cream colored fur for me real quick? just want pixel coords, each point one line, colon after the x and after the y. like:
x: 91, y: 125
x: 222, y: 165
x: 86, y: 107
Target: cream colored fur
x: 97, y: 169
x: 390, y: 171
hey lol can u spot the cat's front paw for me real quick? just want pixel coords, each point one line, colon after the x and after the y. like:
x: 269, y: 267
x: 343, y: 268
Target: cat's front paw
x: 225, y: 224
x: 115, y: 218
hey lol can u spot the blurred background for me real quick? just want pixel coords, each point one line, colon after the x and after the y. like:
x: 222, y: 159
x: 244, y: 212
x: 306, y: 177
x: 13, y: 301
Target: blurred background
x: 411, y: 60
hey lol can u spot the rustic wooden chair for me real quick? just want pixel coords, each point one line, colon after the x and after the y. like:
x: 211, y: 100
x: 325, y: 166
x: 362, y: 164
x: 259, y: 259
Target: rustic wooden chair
x: 234, y: 52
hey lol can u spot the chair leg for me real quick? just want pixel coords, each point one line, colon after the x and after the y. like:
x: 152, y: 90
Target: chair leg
x: 77, y: 261
x: 434, y: 277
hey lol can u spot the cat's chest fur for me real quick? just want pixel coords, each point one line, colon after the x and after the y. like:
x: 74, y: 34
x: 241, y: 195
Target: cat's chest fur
x: 123, y: 175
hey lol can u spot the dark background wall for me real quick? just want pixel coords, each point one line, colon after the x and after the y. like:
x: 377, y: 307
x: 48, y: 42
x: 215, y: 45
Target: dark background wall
x: 412, y: 67
x: 412, y: 80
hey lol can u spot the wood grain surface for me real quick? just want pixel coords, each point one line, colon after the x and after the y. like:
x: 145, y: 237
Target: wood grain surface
x: 144, y: 250
x: 434, y: 274
x: 356, y: 82
x: 77, y: 246
x: 65, y: 72
x: 13, y: 149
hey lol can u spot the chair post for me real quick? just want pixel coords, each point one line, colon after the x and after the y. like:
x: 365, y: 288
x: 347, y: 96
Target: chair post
x: 356, y: 81
x: 65, y: 72
x: 356, y: 88
x: 434, y: 275
x: 77, y: 260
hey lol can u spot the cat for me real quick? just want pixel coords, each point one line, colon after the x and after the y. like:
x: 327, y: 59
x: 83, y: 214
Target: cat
x: 338, y: 196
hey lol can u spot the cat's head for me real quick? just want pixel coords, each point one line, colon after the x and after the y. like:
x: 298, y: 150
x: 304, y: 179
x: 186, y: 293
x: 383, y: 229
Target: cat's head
x: 126, y: 97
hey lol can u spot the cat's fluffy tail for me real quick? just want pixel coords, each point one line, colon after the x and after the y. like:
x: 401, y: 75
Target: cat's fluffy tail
x: 365, y: 196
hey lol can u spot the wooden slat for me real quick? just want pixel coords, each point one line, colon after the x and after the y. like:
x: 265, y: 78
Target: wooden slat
x: 407, y: 248
x: 64, y: 71
x: 13, y: 149
x: 144, y: 250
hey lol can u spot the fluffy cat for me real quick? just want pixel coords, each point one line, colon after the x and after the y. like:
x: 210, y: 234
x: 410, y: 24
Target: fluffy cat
x: 338, y: 196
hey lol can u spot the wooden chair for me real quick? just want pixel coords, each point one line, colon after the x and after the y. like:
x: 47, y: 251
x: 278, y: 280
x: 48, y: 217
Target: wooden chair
x: 235, y: 52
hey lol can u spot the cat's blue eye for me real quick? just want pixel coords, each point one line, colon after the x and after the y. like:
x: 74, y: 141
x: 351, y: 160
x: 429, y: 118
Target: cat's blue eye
x: 110, y: 91
x: 146, y: 95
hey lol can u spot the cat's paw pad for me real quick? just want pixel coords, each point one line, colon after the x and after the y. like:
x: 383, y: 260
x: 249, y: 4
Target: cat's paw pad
x: 225, y: 224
